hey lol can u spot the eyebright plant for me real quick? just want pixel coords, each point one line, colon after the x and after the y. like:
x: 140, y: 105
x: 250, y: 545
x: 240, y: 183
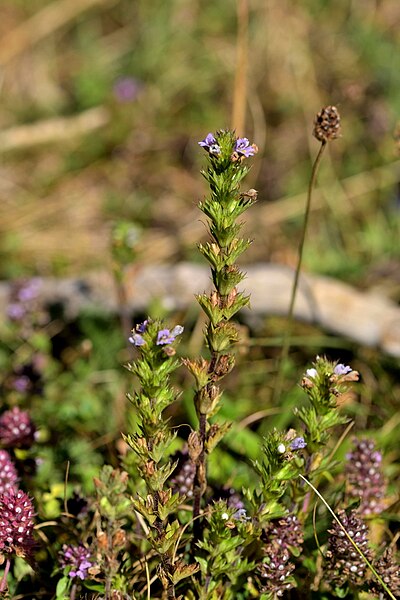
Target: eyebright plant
x: 158, y: 524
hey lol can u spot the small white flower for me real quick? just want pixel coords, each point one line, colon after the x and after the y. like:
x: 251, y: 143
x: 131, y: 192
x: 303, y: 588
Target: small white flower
x: 281, y: 449
x: 311, y: 373
x: 224, y: 516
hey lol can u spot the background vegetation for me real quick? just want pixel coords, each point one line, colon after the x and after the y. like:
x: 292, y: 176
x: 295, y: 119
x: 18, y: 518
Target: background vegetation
x: 102, y: 104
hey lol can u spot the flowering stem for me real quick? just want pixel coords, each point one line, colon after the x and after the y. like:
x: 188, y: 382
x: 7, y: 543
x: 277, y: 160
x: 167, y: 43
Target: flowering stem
x: 286, y: 339
x: 3, y: 582
x: 223, y: 206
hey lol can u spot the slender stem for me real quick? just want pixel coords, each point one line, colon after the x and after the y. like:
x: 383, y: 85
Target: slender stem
x: 3, y: 582
x: 288, y: 331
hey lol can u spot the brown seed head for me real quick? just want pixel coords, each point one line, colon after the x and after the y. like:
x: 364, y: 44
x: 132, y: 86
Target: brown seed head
x: 327, y: 124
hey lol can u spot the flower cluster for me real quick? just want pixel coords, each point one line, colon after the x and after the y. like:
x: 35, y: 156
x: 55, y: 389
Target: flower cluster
x: 364, y: 477
x: 164, y: 337
x: 240, y: 149
x: 344, y: 563
x: 16, y: 429
x: 78, y: 559
x: 8, y: 473
x: 326, y: 381
x: 389, y: 569
x: 16, y: 523
x: 276, y: 569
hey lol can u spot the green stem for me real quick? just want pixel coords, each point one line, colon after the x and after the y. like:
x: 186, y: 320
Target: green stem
x: 286, y: 339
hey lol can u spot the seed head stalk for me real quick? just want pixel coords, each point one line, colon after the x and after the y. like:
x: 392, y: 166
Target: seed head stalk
x: 224, y: 204
x: 326, y: 127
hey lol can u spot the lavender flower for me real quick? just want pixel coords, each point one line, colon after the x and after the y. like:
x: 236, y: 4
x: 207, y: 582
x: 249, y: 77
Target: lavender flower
x: 210, y: 144
x: 165, y: 336
x: 8, y: 473
x: 136, y: 339
x: 76, y: 557
x: 341, y: 369
x: 364, y: 477
x: 16, y: 523
x: 126, y: 89
x: 344, y: 563
x: 298, y: 443
x: 243, y: 147
x: 16, y: 429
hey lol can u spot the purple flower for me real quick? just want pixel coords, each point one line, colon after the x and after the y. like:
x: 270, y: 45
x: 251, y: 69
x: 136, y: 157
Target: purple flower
x: 298, y: 443
x: 277, y: 568
x: 21, y: 383
x: 243, y: 146
x: 126, y: 89
x: 15, y: 311
x: 165, y: 336
x: 136, y: 339
x: 342, y: 562
x: 76, y: 557
x: 16, y: 429
x: 365, y: 479
x: 341, y: 369
x: 29, y: 290
x: 141, y: 327
x: 210, y: 144
x: 8, y: 473
x: 16, y: 523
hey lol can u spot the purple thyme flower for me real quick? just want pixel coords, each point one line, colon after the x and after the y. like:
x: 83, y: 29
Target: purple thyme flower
x: 210, y: 144
x: 126, y: 89
x: 16, y: 523
x: 8, y: 473
x: 136, y: 339
x: 165, y: 336
x: 76, y: 557
x: 243, y: 146
x: 276, y: 568
x: 364, y: 476
x: 17, y: 429
x: 341, y: 369
x: 343, y: 562
x: 298, y: 443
